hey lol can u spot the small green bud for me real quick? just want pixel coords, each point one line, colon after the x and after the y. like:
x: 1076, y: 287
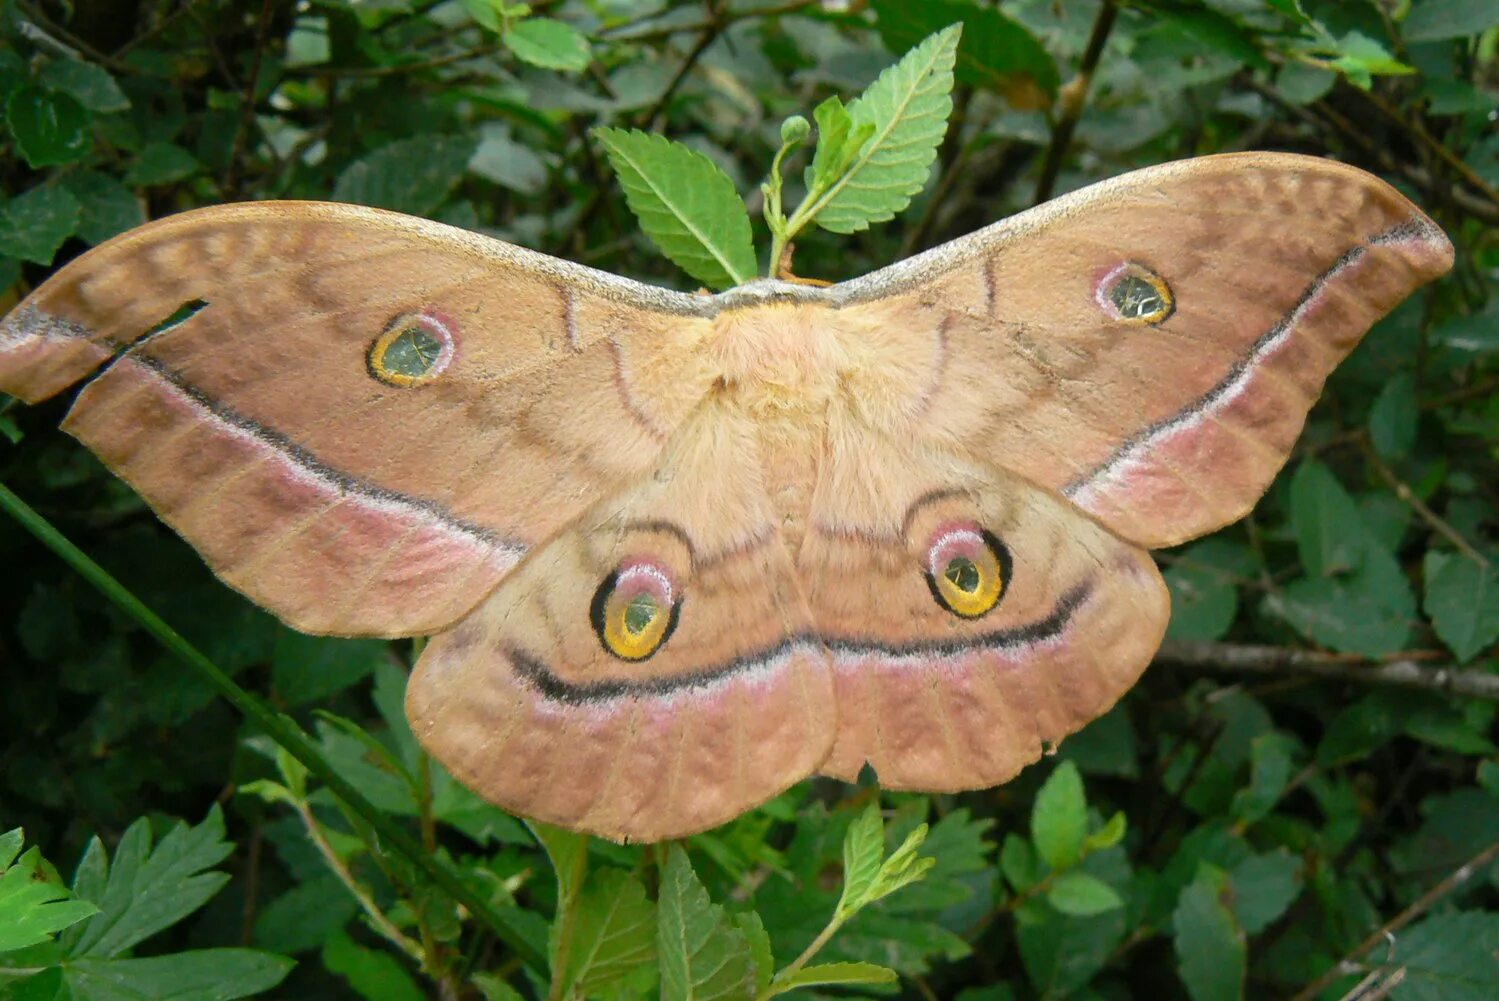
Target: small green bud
x: 795, y: 129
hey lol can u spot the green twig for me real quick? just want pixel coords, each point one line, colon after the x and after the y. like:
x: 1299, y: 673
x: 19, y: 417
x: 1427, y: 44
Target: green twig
x: 279, y: 728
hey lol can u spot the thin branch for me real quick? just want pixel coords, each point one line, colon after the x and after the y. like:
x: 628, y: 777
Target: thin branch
x: 1405, y: 672
x: 621, y: 33
x: 1416, y: 504
x: 1074, y: 96
x: 247, y: 100
x: 1349, y: 963
x: 396, y: 69
x: 648, y: 118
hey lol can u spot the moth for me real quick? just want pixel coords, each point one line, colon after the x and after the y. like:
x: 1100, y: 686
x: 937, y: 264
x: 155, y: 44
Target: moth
x: 677, y: 552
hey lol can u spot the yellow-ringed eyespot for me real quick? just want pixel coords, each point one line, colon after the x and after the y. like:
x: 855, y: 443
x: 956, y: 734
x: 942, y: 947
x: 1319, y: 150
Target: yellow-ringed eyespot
x: 635, y: 609
x: 415, y: 348
x: 1132, y: 293
x: 967, y: 569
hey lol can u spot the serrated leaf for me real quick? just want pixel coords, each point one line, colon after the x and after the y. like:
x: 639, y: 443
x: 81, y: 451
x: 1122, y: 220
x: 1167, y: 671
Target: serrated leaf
x: 758, y: 939
x: 1394, y: 416
x: 908, y: 108
x: 145, y: 891
x: 831, y: 974
x: 90, y: 85
x: 863, y: 851
x: 34, y: 905
x: 1367, y: 612
x: 1081, y: 895
x: 10, y: 846
x: 1018, y: 861
x: 161, y: 163
x: 837, y: 142
x: 1462, y: 599
x: 305, y: 917
x: 550, y: 44
x: 1059, y: 817
x: 995, y: 51
x: 1263, y: 887
x: 107, y: 207
x: 409, y: 175
x: 49, y: 128
x: 686, y: 204
x: 1434, y: 20
x: 1211, y: 951
x: 1269, y: 772
x: 372, y: 974
x: 703, y: 955
x: 1329, y: 529
x: 219, y: 974
x: 614, y: 934
x: 1449, y: 957
x: 34, y: 225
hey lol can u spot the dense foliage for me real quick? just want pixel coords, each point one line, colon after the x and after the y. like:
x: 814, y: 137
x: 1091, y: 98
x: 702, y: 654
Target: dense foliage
x: 1303, y: 793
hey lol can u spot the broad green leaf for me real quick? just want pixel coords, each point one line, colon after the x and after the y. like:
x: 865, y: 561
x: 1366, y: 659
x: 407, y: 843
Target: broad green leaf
x: 1062, y: 952
x: 1361, y: 58
x: 903, y: 867
x: 90, y: 85
x: 1449, y: 957
x: 1204, y: 588
x: 1079, y: 894
x: 703, y: 954
x: 1270, y: 770
x: 161, y: 163
x: 614, y: 934
x: 1369, y: 612
x: 310, y: 668
x: 1019, y: 863
x: 1059, y: 817
x: 1394, y: 416
x: 409, y: 175
x: 1462, y: 599
x: 506, y: 162
x: 373, y: 974
x: 34, y: 905
x: 1434, y: 20
x: 553, y: 45
x: 1303, y: 83
x: 1211, y: 951
x: 492, y: 988
x: 1263, y: 887
x: 107, y: 207
x: 686, y: 204
x: 758, y: 939
x: 35, y: 224
x: 49, y: 128
x: 832, y: 974
x: 995, y: 52
x: 908, y: 106
x: 305, y: 917
x: 568, y: 852
x: 1107, y: 836
x: 145, y: 890
x: 1329, y: 531
x: 863, y: 851
x: 200, y: 975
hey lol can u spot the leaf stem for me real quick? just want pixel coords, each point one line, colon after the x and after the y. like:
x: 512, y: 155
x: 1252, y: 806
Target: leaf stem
x: 278, y: 727
x: 822, y: 939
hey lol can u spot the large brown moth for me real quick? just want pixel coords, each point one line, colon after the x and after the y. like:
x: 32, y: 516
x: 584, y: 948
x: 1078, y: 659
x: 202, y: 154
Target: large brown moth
x: 677, y: 552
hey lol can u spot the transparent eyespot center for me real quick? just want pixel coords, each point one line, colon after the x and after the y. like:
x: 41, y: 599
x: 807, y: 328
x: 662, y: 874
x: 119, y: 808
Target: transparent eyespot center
x: 968, y: 570
x: 1135, y: 294
x: 414, y: 349
x: 635, y: 610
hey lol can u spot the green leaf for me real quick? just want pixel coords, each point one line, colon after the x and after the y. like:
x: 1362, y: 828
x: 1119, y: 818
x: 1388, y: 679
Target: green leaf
x: 1394, y: 416
x: 1079, y: 894
x: 1329, y: 529
x: 758, y: 939
x: 161, y: 163
x: 1435, y: 20
x: 310, y: 668
x: 1019, y: 863
x: 1264, y: 886
x: 34, y: 225
x: 1462, y: 599
x: 686, y: 204
x: 1368, y: 612
x: 410, y: 175
x: 837, y: 142
x: 908, y: 107
x: 492, y: 988
x: 144, y: 891
x: 1211, y: 952
x: 703, y: 955
x: 199, y: 975
x: 614, y: 935
x: 1360, y: 58
x: 1204, y: 588
x: 49, y: 128
x: 108, y: 207
x: 863, y: 850
x: 34, y: 905
x: 90, y: 85
x: 553, y: 45
x: 372, y: 973
x: 1107, y: 836
x: 1449, y: 957
x: 995, y: 52
x: 832, y: 974
x: 1269, y: 772
x: 568, y: 852
x: 305, y: 917
x: 1059, y: 817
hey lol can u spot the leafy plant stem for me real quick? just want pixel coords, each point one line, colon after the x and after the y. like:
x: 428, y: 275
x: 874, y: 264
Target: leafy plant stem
x: 1074, y: 97
x: 775, y: 216
x: 822, y: 939
x: 279, y: 728
x: 567, y: 917
x: 377, y: 918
